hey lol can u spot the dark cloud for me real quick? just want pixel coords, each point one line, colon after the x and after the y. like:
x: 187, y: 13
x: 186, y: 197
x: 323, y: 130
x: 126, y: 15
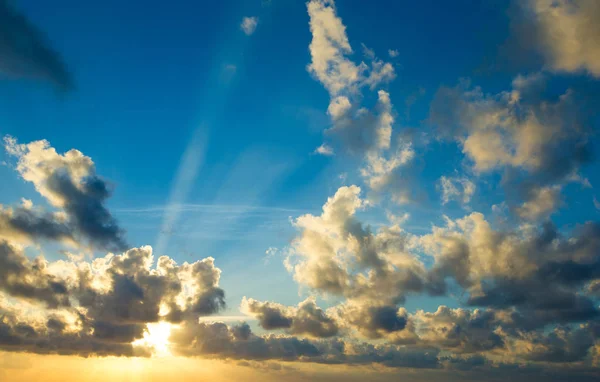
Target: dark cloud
x: 85, y: 207
x: 373, y: 321
x: 70, y: 183
x: 307, y: 318
x: 29, y: 279
x: 109, y: 302
x: 25, y: 51
x: 32, y: 225
x: 220, y: 340
x: 19, y: 336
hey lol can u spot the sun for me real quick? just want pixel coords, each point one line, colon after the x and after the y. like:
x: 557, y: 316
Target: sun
x: 156, y: 337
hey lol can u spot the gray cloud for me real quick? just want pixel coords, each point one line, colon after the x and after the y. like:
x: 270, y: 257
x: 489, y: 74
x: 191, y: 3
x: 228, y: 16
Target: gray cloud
x: 307, y: 318
x: 29, y: 279
x: 25, y: 52
x: 108, y: 301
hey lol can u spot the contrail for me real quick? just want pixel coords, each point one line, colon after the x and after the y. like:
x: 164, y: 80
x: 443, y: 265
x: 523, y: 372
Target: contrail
x: 189, y: 166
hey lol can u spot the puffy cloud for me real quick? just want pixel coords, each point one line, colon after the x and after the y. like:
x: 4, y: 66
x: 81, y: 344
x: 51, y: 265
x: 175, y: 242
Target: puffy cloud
x: 393, y: 53
x: 539, y: 143
x: 238, y: 342
x: 305, y: 319
x: 329, y: 47
x: 249, y: 25
x: 566, y: 33
x: 363, y: 131
x: 375, y: 321
x: 510, y: 129
x: 24, y: 224
x: 343, y: 79
x: 51, y: 338
x: 110, y: 300
x: 460, y: 189
x: 541, y: 203
x: 30, y: 279
x: 24, y: 51
x: 335, y: 254
x: 68, y: 182
x: 460, y: 330
x: 536, y: 271
x: 561, y: 345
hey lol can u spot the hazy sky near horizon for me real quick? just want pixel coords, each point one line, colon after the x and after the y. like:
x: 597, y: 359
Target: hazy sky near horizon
x: 282, y: 190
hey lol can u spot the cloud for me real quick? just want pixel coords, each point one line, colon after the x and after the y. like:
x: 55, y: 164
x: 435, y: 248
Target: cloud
x: 343, y: 78
x: 305, y: 319
x: 461, y: 330
x: 26, y: 225
x: 25, y: 52
x: 536, y: 272
x: 460, y: 189
x: 393, y: 53
x: 68, y: 182
x: 541, y: 203
x: 539, y: 143
x: 511, y: 129
x: 334, y: 254
x: 30, y: 280
x: 566, y: 33
x: 249, y: 25
x: 375, y: 321
x: 356, y: 129
x: 324, y: 150
x: 109, y: 300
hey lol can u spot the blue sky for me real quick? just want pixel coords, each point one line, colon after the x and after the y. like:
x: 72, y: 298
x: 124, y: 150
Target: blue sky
x: 207, y: 133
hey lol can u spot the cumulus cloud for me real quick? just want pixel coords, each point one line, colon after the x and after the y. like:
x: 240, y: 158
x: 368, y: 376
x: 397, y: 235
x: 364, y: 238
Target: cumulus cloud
x: 509, y: 130
x: 336, y: 254
x: 541, y: 203
x: 109, y: 300
x: 305, y: 319
x: 359, y: 130
x: 68, y: 182
x: 536, y: 272
x: 539, y: 143
x: 461, y: 330
x: 25, y: 52
x: 30, y: 280
x: 249, y: 25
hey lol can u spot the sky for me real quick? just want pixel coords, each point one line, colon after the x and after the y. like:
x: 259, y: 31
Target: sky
x: 283, y: 190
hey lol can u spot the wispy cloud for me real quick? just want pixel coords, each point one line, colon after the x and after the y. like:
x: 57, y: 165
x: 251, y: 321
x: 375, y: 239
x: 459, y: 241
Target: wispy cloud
x: 190, y: 164
x: 24, y: 51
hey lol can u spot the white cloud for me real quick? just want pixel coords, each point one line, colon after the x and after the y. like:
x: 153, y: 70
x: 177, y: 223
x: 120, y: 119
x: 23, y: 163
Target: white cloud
x: 249, y: 25
x: 324, y: 150
x: 460, y: 189
x: 339, y: 107
x: 393, y: 53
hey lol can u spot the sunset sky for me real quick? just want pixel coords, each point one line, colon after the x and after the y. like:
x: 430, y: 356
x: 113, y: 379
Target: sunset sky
x: 281, y: 190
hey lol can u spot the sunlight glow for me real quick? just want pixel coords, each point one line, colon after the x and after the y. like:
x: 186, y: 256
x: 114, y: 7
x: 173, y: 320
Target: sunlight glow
x: 156, y: 338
